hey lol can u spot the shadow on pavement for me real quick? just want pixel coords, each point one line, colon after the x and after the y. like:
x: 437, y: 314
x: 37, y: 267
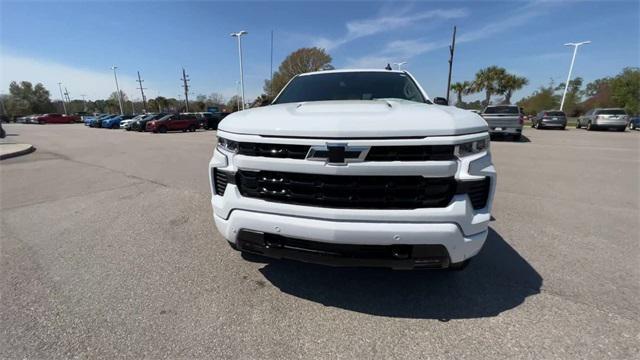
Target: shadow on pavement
x: 509, y: 138
x: 498, y: 279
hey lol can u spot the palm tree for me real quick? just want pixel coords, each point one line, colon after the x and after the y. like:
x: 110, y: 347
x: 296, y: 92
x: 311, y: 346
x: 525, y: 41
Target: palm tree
x: 510, y: 83
x: 461, y: 88
x: 487, y: 80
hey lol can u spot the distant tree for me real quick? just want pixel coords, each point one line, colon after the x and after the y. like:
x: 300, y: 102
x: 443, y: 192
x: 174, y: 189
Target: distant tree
x: 625, y: 90
x: 509, y: 83
x: 461, y: 88
x: 595, y: 86
x: 24, y: 98
x: 300, y: 61
x: 262, y: 100
x: 474, y: 105
x: 488, y: 80
x: 574, y: 96
x: 544, y: 98
x: 215, y: 99
x: 234, y: 103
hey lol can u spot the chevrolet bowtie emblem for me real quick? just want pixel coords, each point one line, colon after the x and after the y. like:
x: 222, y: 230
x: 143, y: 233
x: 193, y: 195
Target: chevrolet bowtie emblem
x: 337, y: 154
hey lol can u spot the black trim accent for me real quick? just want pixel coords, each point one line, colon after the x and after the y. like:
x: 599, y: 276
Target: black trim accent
x: 478, y: 191
x: 221, y: 179
x: 348, y: 192
x: 400, y: 256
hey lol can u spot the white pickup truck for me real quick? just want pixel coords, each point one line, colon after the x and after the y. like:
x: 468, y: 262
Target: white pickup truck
x: 354, y: 168
x: 504, y: 120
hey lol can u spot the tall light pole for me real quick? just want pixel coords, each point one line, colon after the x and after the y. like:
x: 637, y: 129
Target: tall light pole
x: 239, y: 36
x: 117, y: 89
x: 399, y: 65
x: 573, y: 59
x: 62, y: 98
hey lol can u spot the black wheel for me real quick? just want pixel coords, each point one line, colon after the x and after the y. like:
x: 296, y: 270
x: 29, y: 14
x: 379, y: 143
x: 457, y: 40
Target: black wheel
x: 632, y: 126
x: 459, y: 266
x: 578, y: 125
x: 517, y: 137
x: 589, y: 126
x: 115, y: 126
x: 539, y: 126
x: 162, y: 130
x: 564, y: 128
x: 622, y: 128
x: 184, y: 130
x: 192, y: 128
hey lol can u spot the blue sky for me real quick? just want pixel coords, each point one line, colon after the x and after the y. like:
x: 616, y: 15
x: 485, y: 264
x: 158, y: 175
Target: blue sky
x: 76, y: 42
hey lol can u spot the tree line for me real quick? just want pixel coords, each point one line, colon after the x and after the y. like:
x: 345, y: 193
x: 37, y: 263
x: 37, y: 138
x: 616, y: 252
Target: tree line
x: 492, y: 80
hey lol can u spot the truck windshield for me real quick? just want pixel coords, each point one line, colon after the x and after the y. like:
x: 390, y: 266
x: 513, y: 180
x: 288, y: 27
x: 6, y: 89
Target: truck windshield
x: 351, y: 86
x: 502, y: 110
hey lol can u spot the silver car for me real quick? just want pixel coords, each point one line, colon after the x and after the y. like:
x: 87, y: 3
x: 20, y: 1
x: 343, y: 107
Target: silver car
x: 550, y: 119
x: 604, y: 118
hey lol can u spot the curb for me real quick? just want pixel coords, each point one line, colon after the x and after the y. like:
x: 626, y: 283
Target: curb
x: 26, y: 151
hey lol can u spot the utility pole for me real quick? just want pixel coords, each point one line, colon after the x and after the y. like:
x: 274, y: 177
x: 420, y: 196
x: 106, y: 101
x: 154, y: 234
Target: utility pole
x: 185, y: 80
x: 117, y: 89
x: 144, y: 99
x: 66, y: 94
x: 271, y: 77
x: 573, y: 59
x: 84, y: 103
x: 64, y: 106
x: 452, y: 49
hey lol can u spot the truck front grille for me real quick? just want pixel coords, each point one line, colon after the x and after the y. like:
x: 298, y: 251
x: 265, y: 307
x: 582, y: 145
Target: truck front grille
x: 376, y: 153
x: 354, y: 192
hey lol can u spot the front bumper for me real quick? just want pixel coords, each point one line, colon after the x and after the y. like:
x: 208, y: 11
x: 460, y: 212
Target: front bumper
x: 459, y: 228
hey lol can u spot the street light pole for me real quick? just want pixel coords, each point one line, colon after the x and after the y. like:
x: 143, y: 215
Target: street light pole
x: 239, y: 36
x: 62, y: 98
x: 573, y: 59
x: 117, y: 89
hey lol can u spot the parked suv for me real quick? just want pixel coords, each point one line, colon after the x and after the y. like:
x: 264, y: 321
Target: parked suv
x: 173, y: 122
x: 611, y: 118
x: 549, y: 119
x: 209, y: 120
x: 504, y: 120
x: 354, y: 167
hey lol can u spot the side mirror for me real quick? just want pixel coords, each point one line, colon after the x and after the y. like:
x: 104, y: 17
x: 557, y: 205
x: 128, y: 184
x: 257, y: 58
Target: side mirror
x: 440, y: 101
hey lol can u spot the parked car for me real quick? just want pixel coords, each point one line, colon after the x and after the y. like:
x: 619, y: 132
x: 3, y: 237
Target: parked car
x: 56, y: 119
x: 604, y: 118
x: 114, y: 122
x: 209, y: 120
x: 126, y: 123
x: 174, y: 122
x: 634, y: 123
x: 549, y: 119
x: 504, y: 120
x: 141, y: 124
x: 354, y: 167
x: 97, y: 122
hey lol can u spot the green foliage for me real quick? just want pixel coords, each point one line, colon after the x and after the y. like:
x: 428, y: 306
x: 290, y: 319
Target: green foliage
x: 545, y: 98
x: 461, y: 88
x: 508, y: 83
x: 488, y: 80
x: 572, y: 102
x: 24, y: 99
x: 300, y: 61
x: 625, y: 90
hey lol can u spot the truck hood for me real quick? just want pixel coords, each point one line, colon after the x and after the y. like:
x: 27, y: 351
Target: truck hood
x: 354, y: 119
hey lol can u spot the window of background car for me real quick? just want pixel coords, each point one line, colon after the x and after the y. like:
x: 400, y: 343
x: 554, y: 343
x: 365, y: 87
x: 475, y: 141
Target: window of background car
x: 350, y: 86
x: 611, y: 112
x: 502, y: 110
x: 555, y: 113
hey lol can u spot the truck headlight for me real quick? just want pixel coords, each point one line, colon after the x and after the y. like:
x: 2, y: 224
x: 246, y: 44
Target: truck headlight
x: 227, y: 145
x: 472, y: 147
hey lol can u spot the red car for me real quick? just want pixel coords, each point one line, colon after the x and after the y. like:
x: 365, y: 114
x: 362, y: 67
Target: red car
x: 173, y: 122
x: 57, y: 119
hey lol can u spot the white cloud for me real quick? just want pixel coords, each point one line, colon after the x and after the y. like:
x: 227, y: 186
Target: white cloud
x: 361, y: 28
x: 94, y: 84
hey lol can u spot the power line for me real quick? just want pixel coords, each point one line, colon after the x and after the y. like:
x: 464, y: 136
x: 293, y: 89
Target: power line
x: 185, y: 79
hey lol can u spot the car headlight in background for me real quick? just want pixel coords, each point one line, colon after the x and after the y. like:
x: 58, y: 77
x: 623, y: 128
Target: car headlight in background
x: 227, y: 145
x: 472, y: 147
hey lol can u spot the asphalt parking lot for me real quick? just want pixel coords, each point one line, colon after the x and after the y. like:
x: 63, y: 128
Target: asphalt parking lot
x: 108, y: 249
